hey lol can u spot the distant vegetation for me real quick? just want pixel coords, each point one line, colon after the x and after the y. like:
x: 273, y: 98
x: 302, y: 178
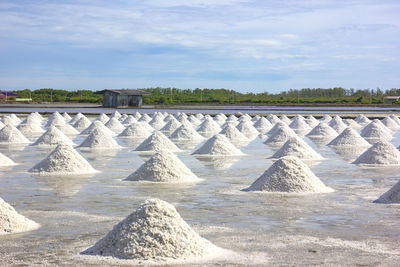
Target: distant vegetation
x: 224, y: 96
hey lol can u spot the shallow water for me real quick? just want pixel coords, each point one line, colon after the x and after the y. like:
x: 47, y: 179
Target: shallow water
x: 340, y: 228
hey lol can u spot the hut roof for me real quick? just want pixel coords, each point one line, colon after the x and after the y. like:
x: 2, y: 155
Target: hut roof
x: 124, y: 91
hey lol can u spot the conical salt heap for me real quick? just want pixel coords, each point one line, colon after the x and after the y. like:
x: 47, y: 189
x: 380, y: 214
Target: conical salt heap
x: 157, y: 122
x: 395, y: 118
x: 262, y: 125
x: 255, y: 118
x: 103, y: 118
x: 137, y: 115
x: 135, y: 130
x: 322, y: 130
x: 2, y: 125
x: 116, y: 115
x: 32, y: 118
x: 129, y: 120
x: 219, y: 119
x: 67, y: 129
x: 123, y: 117
x: 12, y: 222
x: 193, y: 120
x: 157, y: 142
x: 352, y: 124
x: 362, y: 120
x: 115, y: 125
x: 145, y: 117
x: 247, y: 128
x: 218, y: 145
x: 376, y: 131
x: 231, y: 118
x: 82, y: 123
x: 296, y: 147
x: 186, y: 133
x: 390, y: 197
x: 337, y: 124
x: 6, y: 161
x: 15, y: 118
x: 63, y: 160
x: 199, y: 116
x: 391, y: 124
x: 277, y: 127
x: 234, y: 135
x: 11, y: 135
x: 280, y: 135
x: 285, y: 119
x: 97, y: 124
x: 349, y: 138
x: 381, y: 153
x: 169, y: 117
x: 208, y: 128
x: 155, y: 231
x: 99, y: 139
x: 53, y: 137
x: 163, y: 166
x: 57, y: 120
x: 8, y: 120
x: 76, y: 118
x: 299, y: 125
x: 170, y: 126
x: 289, y: 174
x: 66, y: 117
x: 312, y: 121
x: 325, y: 118
x: 30, y: 128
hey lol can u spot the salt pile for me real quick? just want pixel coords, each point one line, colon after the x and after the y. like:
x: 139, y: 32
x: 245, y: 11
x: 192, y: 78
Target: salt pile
x: 199, y: 116
x: 285, y: 119
x: 322, y: 130
x: 280, y: 135
x: 247, y: 128
x: 234, y: 135
x: 352, y: 124
x: 273, y: 119
x: 391, y: 124
x: 219, y: 119
x: 312, y: 121
x: 115, y: 125
x: 186, y: 133
x: 376, y: 131
x: 145, y: 117
x: 76, y: 118
x: 13, y: 222
x: 82, y: 123
x: 6, y: 161
x: 63, y: 160
x: 163, y: 166
x: 32, y: 119
x: 2, y: 125
x: 116, y: 115
x: 169, y: 117
x: 135, y: 130
x: 381, y: 153
x: 262, y: 125
x: 326, y: 118
x: 296, y: 147
x: 7, y: 120
x: 255, y: 118
x: 171, y: 126
x: 11, y: 135
x: 129, y: 120
x: 362, y: 120
x: 157, y: 122
x: 67, y: 129
x: 390, y: 197
x: 123, y: 117
x: 53, y: 137
x: 15, y: 118
x: 337, y: 124
x: 30, y: 128
x: 193, y: 120
x: 218, y: 145
x: 185, y: 121
x: 55, y: 121
x: 66, y: 117
x: 155, y: 231
x: 231, y: 118
x: 157, y: 142
x: 137, y: 115
x: 395, y: 118
x: 103, y: 118
x: 208, y: 128
x: 97, y: 124
x: 289, y: 174
x: 99, y: 139
x: 349, y: 138
x: 299, y: 125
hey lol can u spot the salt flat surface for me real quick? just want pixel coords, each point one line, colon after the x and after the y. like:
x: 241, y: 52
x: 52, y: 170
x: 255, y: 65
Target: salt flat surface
x: 343, y: 228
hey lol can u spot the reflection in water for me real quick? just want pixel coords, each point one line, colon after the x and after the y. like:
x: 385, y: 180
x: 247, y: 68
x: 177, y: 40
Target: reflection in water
x: 349, y: 154
x: 99, y: 154
x: 320, y: 141
x: 218, y: 162
x: 64, y: 185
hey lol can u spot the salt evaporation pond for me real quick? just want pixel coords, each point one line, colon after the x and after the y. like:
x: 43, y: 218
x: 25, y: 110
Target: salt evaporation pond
x: 341, y: 228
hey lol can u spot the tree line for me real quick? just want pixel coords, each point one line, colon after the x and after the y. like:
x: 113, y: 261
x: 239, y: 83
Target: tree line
x: 159, y: 95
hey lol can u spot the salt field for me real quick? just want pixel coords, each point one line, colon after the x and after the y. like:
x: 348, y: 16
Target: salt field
x: 92, y: 183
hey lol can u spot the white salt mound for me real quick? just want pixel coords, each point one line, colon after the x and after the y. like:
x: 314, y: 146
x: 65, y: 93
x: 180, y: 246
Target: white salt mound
x: 157, y: 122
x: 170, y: 126
x: 289, y: 174
x: 247, y: 128
x: 349, y: 138
x: 63, y: 160
x: 129, y: 120
x: 67, y: 129
x: 296, y: 147
x: 116, y: 115
x: 208, y: 128
x: 381, y: 153
x: 299, y: 123
x: 76, y: 118
x: 376, y: 131
x: 6, y: 161
x: 13, y: 222
x: 99, y: 139
x: 391, y: 124
x: 82, y: 123
x: 285, y: 119
x: 53, y: 137
x: 390, y: 197
x: 262, y: 125
x: 186, y: 133
x: 218, y: 145
x: 163, y: 166
x: 135, y: 130
x: 57, y: 120
x: 337, y: 124
x: 395, y: 118
x: 115, y: 125
x: 322, y: 130
x: 234, y: 135
x: 157, y: 142
x: 97, y: 125
x: 11, y: 135
x: 145, y: 117
x: 280, y: 135
x: 66, y: 117
x: 30, y: 129
x: 103, y: 118
x: 361, y: 119
x: 155, y: 231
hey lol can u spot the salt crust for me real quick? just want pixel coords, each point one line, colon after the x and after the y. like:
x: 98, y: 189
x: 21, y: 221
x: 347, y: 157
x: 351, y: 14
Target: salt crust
x: 247, y: 128
x: 155, y: 231
x: 135, y: 130
x: 322, y: 130
x: 53, y: 137
x: 6, y: 161
x: 99, y: 139
x: 97, y: 125
x: 164, y: 167
x: 13, y: 222
x: 63, y: 160
x: 157, y: 142
x: 289, y: 174
x: 234, y: 135
x: 11, y: 135
x: 186, y: 133
x: 218, y: 145
x: 115, y: 125
x: 280, y: 135
x: 208, y: 128
x: 296, y: 147
x: 349, y: 138
x: 381, y: 153
x: 392, y: 196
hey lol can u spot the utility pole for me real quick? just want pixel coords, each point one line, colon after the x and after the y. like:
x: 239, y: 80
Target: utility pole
x: 298, y: 97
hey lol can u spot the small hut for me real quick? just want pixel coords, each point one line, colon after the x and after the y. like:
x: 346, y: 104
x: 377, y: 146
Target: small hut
x: 116, y: 98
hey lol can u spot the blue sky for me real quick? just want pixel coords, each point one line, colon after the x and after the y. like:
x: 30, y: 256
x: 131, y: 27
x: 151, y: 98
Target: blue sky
x: 246, y: 45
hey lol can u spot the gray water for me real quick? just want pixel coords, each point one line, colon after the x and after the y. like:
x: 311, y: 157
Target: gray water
x: 340, y: 228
